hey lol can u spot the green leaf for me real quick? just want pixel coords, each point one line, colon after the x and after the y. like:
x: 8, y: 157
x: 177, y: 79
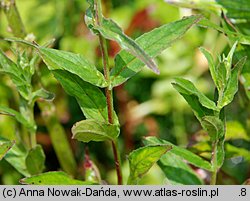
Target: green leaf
x: 35, y: 160
x: 220, y: 153
x: 8, y: 111
x: 92, y: 130
x: 233, y: 36
x: 43, y: 94
x: 153, y: 43
x: 73, y: 63
x: 110, y: 30
x: 177, y: 171
x: 5, y: 146
x: 16, y: 74
x: 16, y: 157
x: 211, y: 64
x: 239, y: 9
x: 142, y: 159
x: 214, y: 126
x: 184, y: 86
x: 90, y: 98
x: 181, y: 152
x: 232, y: 85
x: 52, y: 178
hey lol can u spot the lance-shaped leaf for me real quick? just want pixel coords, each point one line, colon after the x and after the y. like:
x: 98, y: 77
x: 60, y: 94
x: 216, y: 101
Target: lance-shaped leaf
x: 177, y: 171
x: 214, y: 127
x: 153, y: 43
x: 92, y: 130
x: 90, y: 98
x: 184, y: 86
x: 35, y: 160
x: 234, y: 36
x: 16, y: 74
x: 110, y: 30
x: 8, y: 111
x: 16, y: 157
x: 211, y: 64
x: 52, y: 178
x: 232, y: 84
x: 73, y: 63
x: 142, y: 159
x: 181, y: 152
x: 239, y: 9
x: 5, y: 146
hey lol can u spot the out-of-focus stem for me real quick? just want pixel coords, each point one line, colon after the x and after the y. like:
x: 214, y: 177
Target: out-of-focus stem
x: 13, y: 17
x: 57, y: 134
x: 58, y: 137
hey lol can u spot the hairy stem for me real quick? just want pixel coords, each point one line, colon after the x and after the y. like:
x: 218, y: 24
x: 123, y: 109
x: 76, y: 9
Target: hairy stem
x: 214, y: 163
x: 109, y: 100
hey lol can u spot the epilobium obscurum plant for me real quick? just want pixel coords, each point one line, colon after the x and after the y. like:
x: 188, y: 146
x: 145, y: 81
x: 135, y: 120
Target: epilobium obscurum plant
x: 93, y: 90
x: 82, y: 80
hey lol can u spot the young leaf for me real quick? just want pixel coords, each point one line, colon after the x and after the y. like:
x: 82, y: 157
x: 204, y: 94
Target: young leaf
x: 90, y: 98
x: 232, y: 85
x: 177, y: 171
x: 214, y: 127
x: 110, y: 30
x: 35, y: 160
x: 17, y: 116
x: 16, y: 74
x: 184, y: 86
x: 52, y: 178
x: 142, y: 159
x: 211, y: 64
x: 92, y: 130
x: 181, y: 152
x: 153, y: 43
x: 5, y: 146
x: 73, y: 63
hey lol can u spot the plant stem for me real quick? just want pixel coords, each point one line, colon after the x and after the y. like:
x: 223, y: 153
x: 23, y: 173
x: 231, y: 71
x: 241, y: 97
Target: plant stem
x: 56, y: 131
x: 214, y: 163
x: 109, y: 100
x: 13, y: 17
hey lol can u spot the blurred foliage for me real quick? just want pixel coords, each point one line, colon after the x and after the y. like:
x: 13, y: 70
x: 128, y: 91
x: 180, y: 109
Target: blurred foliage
x: 147, y: 104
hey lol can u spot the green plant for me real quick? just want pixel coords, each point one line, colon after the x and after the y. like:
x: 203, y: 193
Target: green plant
x: 93, y: 88
x: 81, y: 79
x: 210, y: 114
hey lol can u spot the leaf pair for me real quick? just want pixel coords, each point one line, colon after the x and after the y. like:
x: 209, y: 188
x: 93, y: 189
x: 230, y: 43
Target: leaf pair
x: 224, y: 76
x: 26, y: 162
x: 142, y: 159
x: 174, y: 163
x: 171, y: 160
x: 203, y: 108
